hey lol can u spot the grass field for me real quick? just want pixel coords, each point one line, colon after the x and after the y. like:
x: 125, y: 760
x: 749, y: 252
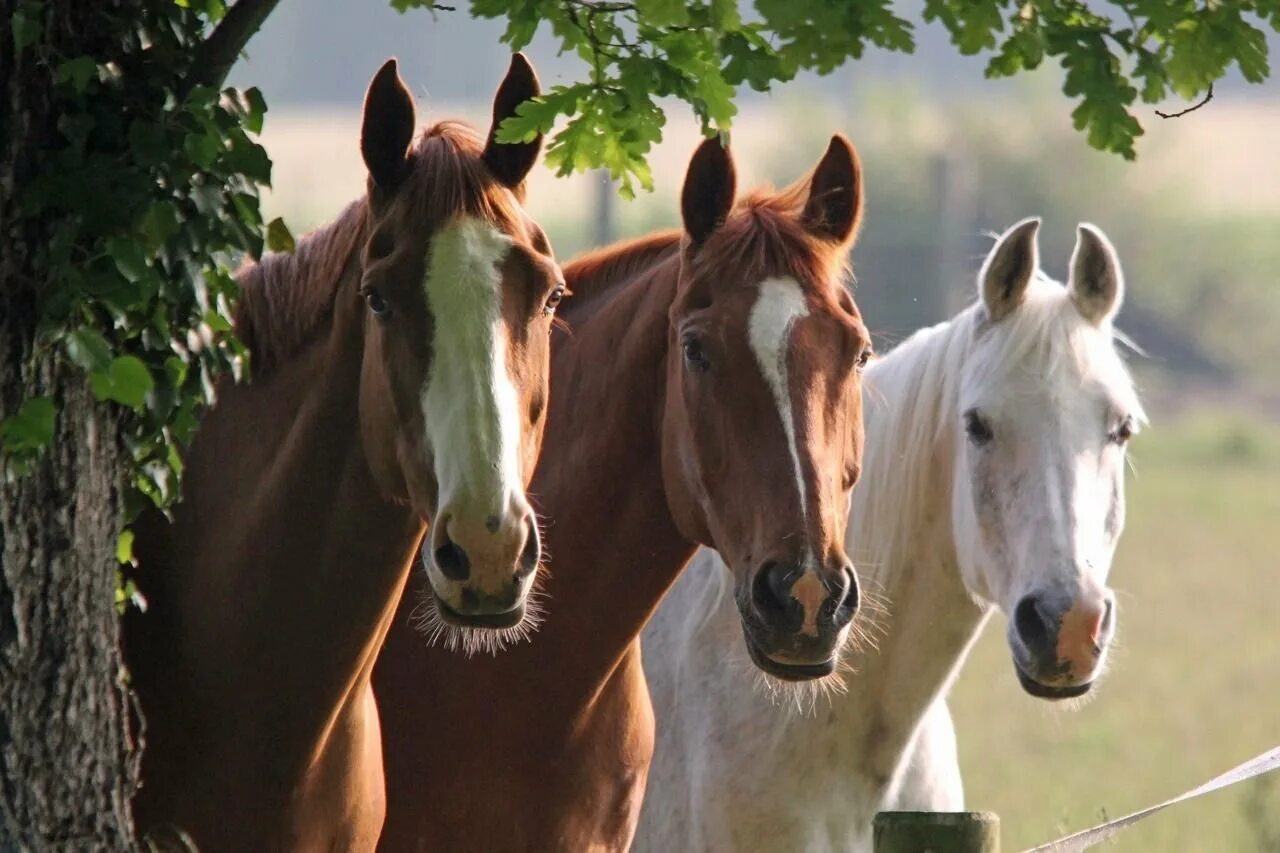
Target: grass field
x: 1194, y: 687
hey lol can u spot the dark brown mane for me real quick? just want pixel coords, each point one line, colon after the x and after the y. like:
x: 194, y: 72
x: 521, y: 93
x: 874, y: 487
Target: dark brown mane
x: 285, y: 298
x: 764, y: 236
x: 592, y: 272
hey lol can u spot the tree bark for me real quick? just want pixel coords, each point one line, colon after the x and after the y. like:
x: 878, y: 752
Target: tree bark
x: 67, y: 765
x: 67, y: 760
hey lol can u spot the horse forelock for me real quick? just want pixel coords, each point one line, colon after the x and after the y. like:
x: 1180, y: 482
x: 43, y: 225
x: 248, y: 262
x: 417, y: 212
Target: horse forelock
x: 287, y: 297
x: 764, y: 237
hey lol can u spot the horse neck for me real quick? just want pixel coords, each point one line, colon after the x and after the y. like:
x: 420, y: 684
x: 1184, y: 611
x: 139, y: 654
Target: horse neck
x: 614, y: 546
x: 901, y: 536
x: 281, y: 513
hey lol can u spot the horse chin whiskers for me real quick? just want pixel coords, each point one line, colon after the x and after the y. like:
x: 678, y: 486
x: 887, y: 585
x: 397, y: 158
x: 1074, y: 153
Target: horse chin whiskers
x: 1076, y: 703
x: 801, y: 697
x: 427, y: 620
x: 870, y: 625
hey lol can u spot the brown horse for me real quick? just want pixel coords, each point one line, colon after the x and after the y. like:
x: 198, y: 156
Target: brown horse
x: 714, y: 383
x: 401, y: 358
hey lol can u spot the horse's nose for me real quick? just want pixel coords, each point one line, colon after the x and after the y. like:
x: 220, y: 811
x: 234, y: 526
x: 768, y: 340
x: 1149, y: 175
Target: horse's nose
x: 490, y: 555
x: 1036, y: 625
x: 449, y: 556
x: 1066, y: 639
x: 806, y: 600
x: 771, y: 591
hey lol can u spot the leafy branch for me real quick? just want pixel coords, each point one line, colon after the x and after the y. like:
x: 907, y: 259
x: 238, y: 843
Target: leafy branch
x: 145, y: 194
x: 704, y: 51
x: 222, y: 48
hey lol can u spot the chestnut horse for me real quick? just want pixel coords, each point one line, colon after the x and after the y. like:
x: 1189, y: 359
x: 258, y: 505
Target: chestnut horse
x: 401, y: 362
x: 707, y: 392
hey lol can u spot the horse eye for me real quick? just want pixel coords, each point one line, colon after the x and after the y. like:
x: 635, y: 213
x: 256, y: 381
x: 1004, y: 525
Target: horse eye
x: 1123, y: 432
x: 377, y: 304
x: 694, y: 355
x: 978, y: 430
x: 864, y: 357
x: 553, y: 300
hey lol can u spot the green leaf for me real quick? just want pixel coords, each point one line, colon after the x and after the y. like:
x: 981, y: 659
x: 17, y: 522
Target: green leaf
x: 129, y: 259
x: 127, y: 592
x: 662, y: 13
x: 278, y: 237
x: 124, y: 547
x: 87, y: 349
x: 202, y: 147
x: 250, y: 160
x: 27, y: 28
x: 77, y: 72
x: 160, y: 222
x: 256, y: 109
x: 31, y: 429
x: 521, y: 27
x: 538, y: 115
x: 126, y: 380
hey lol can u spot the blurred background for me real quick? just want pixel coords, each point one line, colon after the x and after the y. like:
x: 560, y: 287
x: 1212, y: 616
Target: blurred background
x: 949, y: 158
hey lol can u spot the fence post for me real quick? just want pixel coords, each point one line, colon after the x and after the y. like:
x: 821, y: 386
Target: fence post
x: 937, y: 832
x: 606, y: 208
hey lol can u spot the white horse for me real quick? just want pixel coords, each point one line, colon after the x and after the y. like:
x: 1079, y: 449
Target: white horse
x: 993, y: 477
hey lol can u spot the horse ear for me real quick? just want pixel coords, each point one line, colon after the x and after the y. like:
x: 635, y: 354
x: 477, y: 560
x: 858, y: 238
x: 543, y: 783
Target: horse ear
x: 709, y: 189
x: 1096, y: 284
x: 1008, y: 269
x: 834, y: 208
x: 388, y: 126
x: 511, y: 162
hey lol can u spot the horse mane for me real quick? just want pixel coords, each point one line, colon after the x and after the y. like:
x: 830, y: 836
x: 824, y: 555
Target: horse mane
x: 765, y: 231
x: 285, y: 298
x: 448, y: 178
x: 913, y: 395
x: 592, y: 272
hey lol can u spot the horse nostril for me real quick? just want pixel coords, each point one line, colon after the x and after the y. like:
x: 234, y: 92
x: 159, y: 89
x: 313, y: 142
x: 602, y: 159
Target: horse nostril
x: 852, y: 594
x: 1105, y: 629
x: 1033, y: 627
x: 769, y: 589
x: 451, y: 560
x: 531, y: 555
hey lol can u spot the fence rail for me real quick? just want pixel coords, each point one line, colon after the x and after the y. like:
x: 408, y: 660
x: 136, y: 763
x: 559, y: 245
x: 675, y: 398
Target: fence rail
x: 979, y: 832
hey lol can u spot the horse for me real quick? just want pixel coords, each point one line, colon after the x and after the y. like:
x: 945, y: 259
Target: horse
x: 993, y: 479
x: 400, y: 363
x: 706, y: 391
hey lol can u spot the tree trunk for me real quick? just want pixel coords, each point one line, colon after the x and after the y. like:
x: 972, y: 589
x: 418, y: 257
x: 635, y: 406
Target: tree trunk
x: 67, y: 760
x: 67, y: 768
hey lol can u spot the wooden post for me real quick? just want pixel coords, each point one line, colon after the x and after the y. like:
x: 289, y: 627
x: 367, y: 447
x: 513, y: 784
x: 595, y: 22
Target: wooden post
x: 937, y: 832
x: 606, y: 205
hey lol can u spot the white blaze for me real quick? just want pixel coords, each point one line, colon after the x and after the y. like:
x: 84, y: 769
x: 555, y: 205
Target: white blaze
x: 779, y: 304
x: 469, y: 403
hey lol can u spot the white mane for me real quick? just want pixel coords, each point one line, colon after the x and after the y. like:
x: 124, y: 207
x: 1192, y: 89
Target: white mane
x: 908, y: 443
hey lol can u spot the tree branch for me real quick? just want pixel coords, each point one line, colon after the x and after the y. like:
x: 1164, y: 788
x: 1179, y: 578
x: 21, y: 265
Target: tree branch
x: 1208, y: 96
x: 222, y: 48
